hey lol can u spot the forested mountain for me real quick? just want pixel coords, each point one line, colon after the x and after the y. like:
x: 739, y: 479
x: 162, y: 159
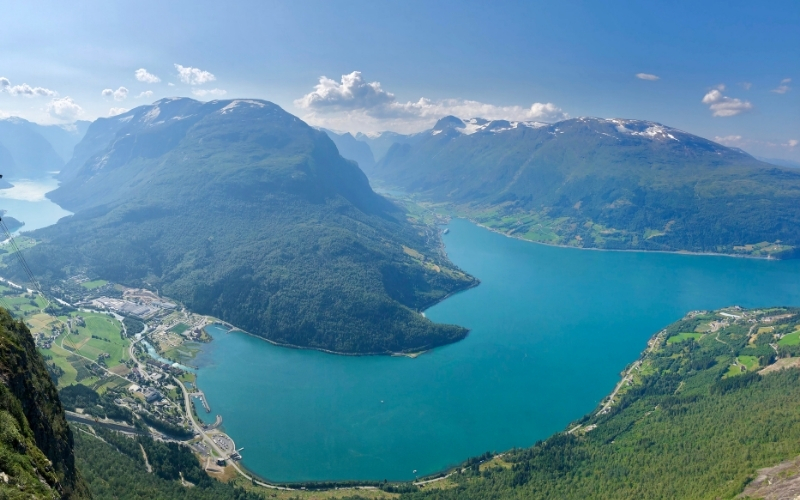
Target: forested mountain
x: 244, y: 212
x: 710, y: 402
x: 591, y: 182
x: 36, y: 444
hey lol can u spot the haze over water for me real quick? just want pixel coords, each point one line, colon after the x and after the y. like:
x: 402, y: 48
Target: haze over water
x: 551, y: 328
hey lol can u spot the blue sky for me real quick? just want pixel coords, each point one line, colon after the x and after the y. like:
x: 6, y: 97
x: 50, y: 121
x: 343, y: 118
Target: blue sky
x: 517, y: 60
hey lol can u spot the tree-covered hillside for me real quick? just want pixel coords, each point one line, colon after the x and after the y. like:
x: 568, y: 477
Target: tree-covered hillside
x: 242, y: 211
x: 602, y: 183
x: 36, y: 445
x: 713, y: 399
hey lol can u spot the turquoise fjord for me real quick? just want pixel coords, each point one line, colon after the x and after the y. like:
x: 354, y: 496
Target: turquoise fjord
x: 551, y: 328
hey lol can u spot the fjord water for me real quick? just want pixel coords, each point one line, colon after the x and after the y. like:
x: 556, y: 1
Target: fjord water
x: 551, y: 328
x: 26, y: 201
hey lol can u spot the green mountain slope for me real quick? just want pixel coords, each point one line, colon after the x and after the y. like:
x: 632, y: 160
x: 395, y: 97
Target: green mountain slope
x: 243, y: 211
x: 36, y: 445
x: 602, y: 183
x: 695, y: 417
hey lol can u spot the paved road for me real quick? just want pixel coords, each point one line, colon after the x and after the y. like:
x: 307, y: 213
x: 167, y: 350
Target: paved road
x: 210, y: 442
x: 83, y: 419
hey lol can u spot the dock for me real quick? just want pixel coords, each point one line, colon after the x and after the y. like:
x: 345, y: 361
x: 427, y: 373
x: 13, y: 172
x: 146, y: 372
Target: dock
x: 202, y: 397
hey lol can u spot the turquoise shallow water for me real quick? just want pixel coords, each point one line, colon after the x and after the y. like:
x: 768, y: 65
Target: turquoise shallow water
x: 551, y: 328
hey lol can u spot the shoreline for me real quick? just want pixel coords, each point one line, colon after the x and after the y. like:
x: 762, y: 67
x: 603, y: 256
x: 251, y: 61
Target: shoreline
x: 400, y: 354
x: 632, y: 250
x: 411, y: 355
x: 406, y: 197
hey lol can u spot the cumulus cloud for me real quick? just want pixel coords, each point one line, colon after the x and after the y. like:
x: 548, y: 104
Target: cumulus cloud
x: 146, y: 77
x: 647, y: 76
x: 352, y: 93
x: 145, y: 94
x: 209, y: 92
x: 354, y: 102
x: 119, y: 95
x: 64, y: 109
x: 746, y: 85
x: 729, y: 140
x: 194, y: 76
x: 24, y: 90
x: 783, y: 87
x: 117, y: 111
x: 741, y: 142
x: 722, y: 105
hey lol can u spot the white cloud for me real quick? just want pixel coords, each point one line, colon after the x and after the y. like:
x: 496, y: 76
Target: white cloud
x: 354, y: 103
x: 171, y: 84
x: 144, y: 76
x: 64, y: 109
x: 729, y: 140
x: 352, y: 93
x: 647, y: 76
x: 783, y: 87
x: 119, y: 95
x: 722, y: 105
x: 24, y: 89
x: 145, y: 94
x: 741, y: 142
x: 746, y: 85
x: 214, y: 92
x: 194, y: 76
x: 117, y: 111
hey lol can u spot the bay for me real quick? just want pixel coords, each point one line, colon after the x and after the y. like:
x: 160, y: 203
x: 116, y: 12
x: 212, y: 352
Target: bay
x: 26, y: 201
x: 551, y: 329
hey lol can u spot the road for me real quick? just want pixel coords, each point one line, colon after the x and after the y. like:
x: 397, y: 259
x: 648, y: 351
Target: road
x: 210, y: 442
x: 629, y: 374
x: 83, y: 419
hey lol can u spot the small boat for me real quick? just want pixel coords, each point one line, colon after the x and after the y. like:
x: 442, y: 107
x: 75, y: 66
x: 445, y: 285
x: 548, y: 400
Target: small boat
x: 446, y: 230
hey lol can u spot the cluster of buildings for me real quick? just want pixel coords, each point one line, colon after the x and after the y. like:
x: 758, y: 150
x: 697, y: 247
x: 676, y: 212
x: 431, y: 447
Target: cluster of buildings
x: 128, y: 308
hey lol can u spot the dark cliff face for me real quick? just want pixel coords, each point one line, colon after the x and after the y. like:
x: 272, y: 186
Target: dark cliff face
x: 36, y: 445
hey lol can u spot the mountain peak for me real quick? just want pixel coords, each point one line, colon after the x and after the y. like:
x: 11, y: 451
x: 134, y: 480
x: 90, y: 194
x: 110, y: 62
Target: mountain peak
x: 449, y: 122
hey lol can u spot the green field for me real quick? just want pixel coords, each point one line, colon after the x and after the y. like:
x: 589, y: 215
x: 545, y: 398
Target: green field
x: 683, y: 336
x: 790, y: 339
x: 749, y: 362
x: 91, y: 285
x: 179, y: 328
x: 110, y: 341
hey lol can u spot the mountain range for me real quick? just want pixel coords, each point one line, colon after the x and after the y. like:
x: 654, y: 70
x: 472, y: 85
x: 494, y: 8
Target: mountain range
x: 600, y: 183
x: 29, y: 150
x: 242, y: 211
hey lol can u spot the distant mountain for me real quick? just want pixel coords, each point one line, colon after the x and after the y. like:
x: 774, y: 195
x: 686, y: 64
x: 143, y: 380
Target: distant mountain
x: 242, y: 211
x: 780, y: 162
x: 63, y: 139
x: 24, y: 151
x: 381, y: 142
x: 352, y: 149
x: 37, y: 458
x: 591, y: 182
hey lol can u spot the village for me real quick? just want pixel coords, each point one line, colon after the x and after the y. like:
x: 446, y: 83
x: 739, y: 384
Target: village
x: 132, y: 347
